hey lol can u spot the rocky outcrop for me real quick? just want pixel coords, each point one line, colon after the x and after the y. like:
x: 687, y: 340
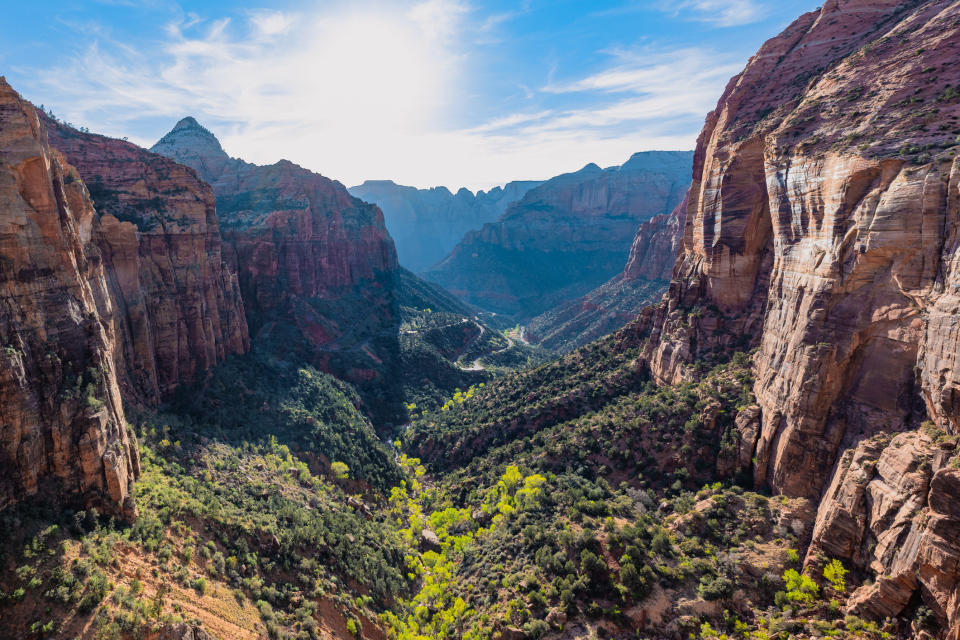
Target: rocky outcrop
x: 565, y: 237
x: 822, y: 229
x: 62, y: 427
x: 426, y: 224
x: 892, y: 507
x: 316, y: 266
x: 615, y: 303
x: 177, y: 305
x: 655, y: 247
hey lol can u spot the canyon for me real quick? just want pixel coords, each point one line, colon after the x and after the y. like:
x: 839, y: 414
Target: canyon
x: 753, y: 429
x: 565, y: 237
x: 426, y: 224
x: 612, y: 305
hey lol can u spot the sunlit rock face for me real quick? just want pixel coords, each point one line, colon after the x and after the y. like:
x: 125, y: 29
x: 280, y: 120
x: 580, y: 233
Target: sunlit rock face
x: 821, y: 228
x: 63, y: 434
x: 569, y: 235
x: 177, y: 305
x: 426, y: 224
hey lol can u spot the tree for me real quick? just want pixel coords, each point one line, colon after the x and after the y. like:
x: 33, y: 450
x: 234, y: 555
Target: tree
x: 836, y: 573
x: 800, y: 587
x: 340, y: 470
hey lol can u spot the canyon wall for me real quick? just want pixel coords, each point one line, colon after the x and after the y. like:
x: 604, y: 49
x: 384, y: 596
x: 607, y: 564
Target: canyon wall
x: 62, y: 425
x: 564, y: 238
x: 822, y: 230
x: 317, y: 269
x: 177, y: 305
x: 612, y: 305
x: 426, y: 224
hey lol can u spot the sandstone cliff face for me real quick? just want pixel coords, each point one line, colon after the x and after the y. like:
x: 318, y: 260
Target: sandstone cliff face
x: 62, y: 426
x: 615, y: 303
x: 316, y: 266
x: 822, y: 228
x: 177, y: 305
x: 426, y: 224
x: 655, y: 247
x: 565, y: 237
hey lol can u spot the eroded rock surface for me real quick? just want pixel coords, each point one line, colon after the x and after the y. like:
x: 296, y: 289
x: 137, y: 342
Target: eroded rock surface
x: 426, y: 224
x: 822, y: 229
x: 317, y: 269
x: 615, y: 303
x: 62, y: 425
x: 564, y: 238
x: 177, y: 305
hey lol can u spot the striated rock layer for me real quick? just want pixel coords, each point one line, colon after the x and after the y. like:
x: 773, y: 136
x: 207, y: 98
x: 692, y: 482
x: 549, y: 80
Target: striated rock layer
x: 177, y: 305
x: 615, y: 303
x: 564, y: 238
x: 62, y: 426
x: 316, y: 266
x: 822, y: 228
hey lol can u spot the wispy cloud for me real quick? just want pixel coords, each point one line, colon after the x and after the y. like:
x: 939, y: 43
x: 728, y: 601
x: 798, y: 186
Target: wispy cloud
x: 723, y: 13
x: 645, y: 86
x: 356, y: 91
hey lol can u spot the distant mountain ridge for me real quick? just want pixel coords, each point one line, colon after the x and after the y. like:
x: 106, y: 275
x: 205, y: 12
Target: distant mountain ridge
x: 427, y: 223
x: 565, y: 237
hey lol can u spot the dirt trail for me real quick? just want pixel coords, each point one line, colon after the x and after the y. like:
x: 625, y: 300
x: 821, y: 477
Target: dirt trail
x: 513, y: 336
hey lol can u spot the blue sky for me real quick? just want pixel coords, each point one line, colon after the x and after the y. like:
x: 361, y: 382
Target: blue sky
x: 426, y: 92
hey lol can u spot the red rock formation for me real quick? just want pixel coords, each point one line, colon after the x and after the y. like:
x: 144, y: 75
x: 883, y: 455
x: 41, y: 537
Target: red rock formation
x: 317, y: 268
x: 655, y: 247
x: 62, y: 426
x: 822, y: 227
x: 177, y: 305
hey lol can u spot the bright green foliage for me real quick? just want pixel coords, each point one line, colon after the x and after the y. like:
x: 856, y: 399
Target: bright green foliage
x: 435, y: 612
x: 459, y: 397
x: 340, y: 470
x: 800, y: 588
x: 836, y: 573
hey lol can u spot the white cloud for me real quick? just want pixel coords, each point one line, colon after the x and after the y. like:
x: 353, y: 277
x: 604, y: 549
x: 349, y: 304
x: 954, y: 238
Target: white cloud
x: 723, y: 13
x: 267, y: 24
x: 438, y: 19
x: 359, y: 92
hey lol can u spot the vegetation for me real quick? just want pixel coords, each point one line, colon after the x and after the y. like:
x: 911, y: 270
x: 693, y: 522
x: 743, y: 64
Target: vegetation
x: 573, y: 495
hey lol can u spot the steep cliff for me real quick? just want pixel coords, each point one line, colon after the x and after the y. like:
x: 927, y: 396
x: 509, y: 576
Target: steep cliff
x: 615, y: 303
x: 316, y: 266
x: 177, y: 305
x: 427, y: 223
x: 565, y: 237
x: 822, y: 229
x: 62, y: 426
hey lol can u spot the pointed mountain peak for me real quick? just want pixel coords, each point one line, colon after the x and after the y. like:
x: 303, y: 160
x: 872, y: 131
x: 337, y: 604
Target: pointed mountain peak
x: 187, y: 139
x: 188, y: 123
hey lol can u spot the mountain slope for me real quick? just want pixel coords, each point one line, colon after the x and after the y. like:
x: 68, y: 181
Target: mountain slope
x: 316, y: 266
x: 565, y: 237
x: 427, y: 223
x: 177, y: 308
x: 611, y: 306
